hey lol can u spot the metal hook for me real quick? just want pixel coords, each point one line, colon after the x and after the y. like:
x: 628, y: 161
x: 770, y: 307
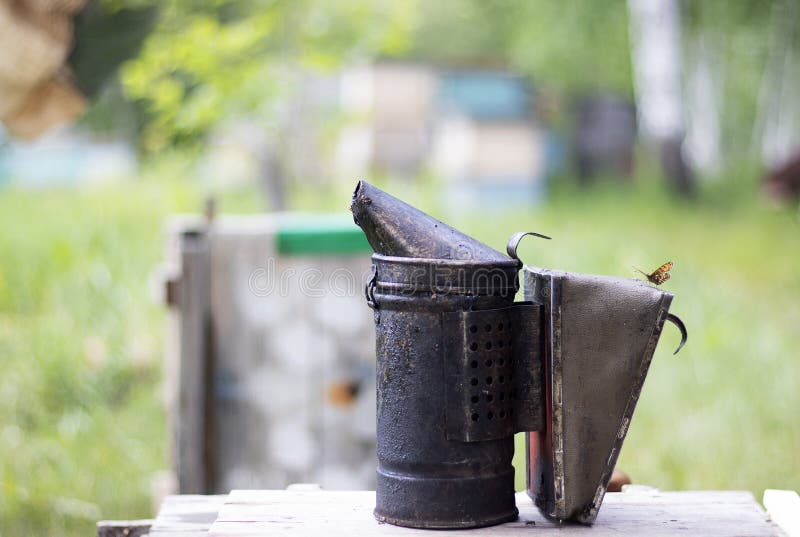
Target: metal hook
x: 516, y: 238
x: 674, y: 319
x: 369, y: 289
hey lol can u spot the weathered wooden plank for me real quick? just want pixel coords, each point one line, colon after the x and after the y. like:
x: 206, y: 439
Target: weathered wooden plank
x: 186, y: 516
x: 660, y: 514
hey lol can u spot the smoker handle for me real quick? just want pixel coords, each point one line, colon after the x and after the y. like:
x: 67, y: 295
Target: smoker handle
x: 516, y: 238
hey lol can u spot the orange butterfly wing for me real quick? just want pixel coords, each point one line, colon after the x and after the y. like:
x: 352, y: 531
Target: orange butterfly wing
x: 661, y: 274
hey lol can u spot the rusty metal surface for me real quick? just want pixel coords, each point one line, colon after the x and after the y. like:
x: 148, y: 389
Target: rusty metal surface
x: 428, y: 277
x: 479, y: 367
x: 529, y: 379
x: 394, y: 228
x: 424, y: 479
x: 407, y: 276
x: 490, y: 389
x: 494, y: 372
x: 461, y: 368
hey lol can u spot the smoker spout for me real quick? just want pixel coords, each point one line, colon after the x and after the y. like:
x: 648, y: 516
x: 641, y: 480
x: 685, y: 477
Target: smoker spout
x: 397, y: 229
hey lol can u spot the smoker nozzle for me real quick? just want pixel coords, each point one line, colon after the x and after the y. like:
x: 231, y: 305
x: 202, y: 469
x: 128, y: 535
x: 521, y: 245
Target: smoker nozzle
x: 394, y: 228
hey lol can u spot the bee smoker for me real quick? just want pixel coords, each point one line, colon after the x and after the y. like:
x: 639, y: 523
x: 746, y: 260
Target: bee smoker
x: 461, y: 367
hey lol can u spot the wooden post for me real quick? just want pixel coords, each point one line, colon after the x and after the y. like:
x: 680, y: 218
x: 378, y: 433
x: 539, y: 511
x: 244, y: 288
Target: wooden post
x: 189, y: 295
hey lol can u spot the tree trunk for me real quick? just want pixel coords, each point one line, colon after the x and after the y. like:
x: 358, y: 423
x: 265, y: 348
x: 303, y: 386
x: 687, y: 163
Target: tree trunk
x: 656, y: 55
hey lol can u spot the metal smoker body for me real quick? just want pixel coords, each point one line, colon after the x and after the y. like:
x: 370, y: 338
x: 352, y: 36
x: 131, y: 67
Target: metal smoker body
x: 461, y: 368
x: 419, y: 463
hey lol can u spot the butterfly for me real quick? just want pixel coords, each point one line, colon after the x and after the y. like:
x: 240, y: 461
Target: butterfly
x: 660, y: 275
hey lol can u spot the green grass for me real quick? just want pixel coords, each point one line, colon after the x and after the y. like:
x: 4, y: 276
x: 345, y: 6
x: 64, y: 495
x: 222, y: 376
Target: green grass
x: 81, y: 422
x: 82, y: 428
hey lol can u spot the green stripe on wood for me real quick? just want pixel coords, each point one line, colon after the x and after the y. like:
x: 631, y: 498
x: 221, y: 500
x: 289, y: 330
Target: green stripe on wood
x: 318, y: 235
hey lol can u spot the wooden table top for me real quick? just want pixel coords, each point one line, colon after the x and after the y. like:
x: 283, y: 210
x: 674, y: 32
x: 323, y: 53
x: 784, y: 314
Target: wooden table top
x: 638, y: 511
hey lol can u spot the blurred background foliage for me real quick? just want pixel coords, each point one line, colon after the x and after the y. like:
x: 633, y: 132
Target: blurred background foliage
x: 208, y: 61
x: 569, y: 45
x: 82, y: 429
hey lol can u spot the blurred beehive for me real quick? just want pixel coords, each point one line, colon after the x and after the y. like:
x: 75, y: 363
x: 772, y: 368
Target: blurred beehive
x: 271, y: 366
x: 487, y: 145
x: 473, y: 129
x: 392, y: 107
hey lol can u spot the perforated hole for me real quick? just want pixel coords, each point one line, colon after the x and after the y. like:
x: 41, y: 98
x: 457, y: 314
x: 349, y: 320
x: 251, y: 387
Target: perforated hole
x: 490, y: 369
